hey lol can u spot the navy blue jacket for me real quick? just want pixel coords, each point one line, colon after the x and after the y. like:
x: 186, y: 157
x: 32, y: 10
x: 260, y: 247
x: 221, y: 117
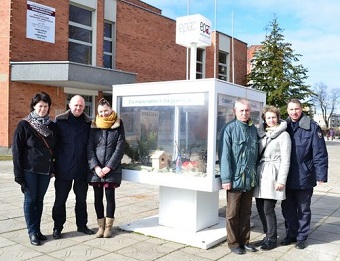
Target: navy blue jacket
x: 309, y: 158
x: 71, y: 152
x: 106, y: 149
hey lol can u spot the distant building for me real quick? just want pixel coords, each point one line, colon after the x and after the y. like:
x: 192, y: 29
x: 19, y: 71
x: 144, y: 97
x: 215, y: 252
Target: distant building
x: 250, y: 55
x: 334, y: 121
x: 86, y: 46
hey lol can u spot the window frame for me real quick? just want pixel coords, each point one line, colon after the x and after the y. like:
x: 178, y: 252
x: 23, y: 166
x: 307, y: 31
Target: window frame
x: 91, y: 28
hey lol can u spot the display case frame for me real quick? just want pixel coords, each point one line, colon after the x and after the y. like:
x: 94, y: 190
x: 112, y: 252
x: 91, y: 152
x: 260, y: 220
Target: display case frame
x: 213, y: 88
x: 188, y: 204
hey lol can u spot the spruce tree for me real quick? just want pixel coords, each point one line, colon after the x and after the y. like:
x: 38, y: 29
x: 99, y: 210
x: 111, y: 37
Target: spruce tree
x: 276, y: 70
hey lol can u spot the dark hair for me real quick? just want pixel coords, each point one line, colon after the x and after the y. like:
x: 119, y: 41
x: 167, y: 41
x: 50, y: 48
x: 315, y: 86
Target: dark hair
x: 41, y: 96
x: 103, y: 101
x: 295, y: 101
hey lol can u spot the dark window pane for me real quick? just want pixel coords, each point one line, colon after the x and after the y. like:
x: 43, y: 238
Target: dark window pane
x: 80, y: 34
x: 79, y: 53
x: 108, y: 30
x: 222, y: 58
x: 222, y: 69
x: 107, y: 61
x: 199, y: 55
x: 198, y: 76
x: 108, y: 46
x: 80, y: 15
x: 199, y: 67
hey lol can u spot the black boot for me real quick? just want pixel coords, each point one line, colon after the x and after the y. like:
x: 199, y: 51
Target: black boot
x: 34, y: 239
x: 269, y: 244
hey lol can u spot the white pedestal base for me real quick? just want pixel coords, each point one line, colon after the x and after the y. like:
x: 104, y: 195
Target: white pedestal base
x: 203, y: 239
x: 185, y: 216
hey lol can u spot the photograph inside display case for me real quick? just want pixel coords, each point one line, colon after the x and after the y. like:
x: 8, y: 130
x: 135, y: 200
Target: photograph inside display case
x: 166, y: 133
x: 169, y: 133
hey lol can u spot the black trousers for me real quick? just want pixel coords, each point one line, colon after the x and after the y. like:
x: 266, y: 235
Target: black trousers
x: 99, y: 204
x: 297, y: 212
x: 266, y: 210
x: 62, y: 190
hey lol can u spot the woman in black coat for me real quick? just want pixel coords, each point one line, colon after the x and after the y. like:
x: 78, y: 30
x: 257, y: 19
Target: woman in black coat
x: 105, y: 151
x: 33, y: 146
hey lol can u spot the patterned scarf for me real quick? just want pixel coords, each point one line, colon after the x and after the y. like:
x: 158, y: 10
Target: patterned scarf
x: 39, y: 123
x: 106, y: 122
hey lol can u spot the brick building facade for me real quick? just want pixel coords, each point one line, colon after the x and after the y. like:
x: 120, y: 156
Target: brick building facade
x: 118, y: 41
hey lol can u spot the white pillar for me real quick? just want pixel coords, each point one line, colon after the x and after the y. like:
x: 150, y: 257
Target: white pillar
x: 193, y: 60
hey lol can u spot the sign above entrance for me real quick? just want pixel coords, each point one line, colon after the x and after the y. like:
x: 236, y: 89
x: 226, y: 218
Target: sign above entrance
x: 193, y: 29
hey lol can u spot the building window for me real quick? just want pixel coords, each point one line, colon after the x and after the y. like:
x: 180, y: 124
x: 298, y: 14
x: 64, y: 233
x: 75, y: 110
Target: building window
x: 222, y: 66
x: 200, y: 64
x: 80, y: 35
x: 108, y: 61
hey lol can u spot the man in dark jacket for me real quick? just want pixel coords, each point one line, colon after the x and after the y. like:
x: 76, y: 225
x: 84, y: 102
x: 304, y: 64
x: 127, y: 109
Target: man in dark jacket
x: 238, y: 152
x: 71, y: 165
x: 308, y: 166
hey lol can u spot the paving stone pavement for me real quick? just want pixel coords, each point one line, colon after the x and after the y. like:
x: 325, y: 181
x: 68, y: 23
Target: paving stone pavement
x: 135, y: 201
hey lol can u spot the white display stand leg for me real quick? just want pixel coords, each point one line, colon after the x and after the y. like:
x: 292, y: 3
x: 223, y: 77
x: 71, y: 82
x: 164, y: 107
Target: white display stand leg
x: 185, y: 216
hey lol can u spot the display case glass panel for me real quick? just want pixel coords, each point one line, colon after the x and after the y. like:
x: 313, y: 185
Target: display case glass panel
x: 172, y: 129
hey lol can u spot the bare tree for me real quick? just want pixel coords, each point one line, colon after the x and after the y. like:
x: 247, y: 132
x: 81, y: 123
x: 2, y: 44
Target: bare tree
x: 326, y: 100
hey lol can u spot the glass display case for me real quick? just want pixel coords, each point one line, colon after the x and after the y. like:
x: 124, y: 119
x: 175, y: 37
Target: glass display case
x: 172, y: 129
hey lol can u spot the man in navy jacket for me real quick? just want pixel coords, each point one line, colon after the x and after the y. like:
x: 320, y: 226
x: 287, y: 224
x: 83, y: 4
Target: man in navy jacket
x: 308, y: 167
x: 71, y: 165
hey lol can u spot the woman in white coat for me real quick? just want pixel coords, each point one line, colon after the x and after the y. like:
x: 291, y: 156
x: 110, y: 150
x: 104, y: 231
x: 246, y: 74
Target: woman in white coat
x: 272, y: 171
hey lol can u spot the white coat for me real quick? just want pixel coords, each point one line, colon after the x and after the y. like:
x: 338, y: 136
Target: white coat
x: 274, y: 164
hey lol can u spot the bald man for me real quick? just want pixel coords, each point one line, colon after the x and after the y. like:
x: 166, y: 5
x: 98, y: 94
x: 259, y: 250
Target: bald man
x: 71, y: 165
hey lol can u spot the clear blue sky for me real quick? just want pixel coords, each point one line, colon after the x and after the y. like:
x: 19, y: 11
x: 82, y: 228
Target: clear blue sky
x: 311, y: 26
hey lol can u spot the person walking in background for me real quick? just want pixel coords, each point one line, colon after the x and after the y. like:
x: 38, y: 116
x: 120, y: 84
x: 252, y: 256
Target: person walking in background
x: 308, y: 166
x: 272, y: 171
x: 71, y: 165
x: 33, y: 148
x: 238, y: 152
x: 105, y: 151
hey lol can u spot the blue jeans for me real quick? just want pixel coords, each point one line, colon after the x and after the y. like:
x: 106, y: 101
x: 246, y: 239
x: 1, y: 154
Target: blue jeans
x: 36, y: 187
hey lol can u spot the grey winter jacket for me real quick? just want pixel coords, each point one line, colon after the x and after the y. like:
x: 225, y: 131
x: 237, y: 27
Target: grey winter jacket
x: 105, y: 148
x: 274, y: 164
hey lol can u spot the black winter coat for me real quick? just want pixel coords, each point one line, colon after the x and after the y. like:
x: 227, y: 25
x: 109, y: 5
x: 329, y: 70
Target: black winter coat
x: 30, y: 153
x: 71, y: 157
x: 105, y: 148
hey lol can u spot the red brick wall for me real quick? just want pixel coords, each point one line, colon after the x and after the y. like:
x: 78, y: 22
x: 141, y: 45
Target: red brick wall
x: 144, y: 5
x: 146, y: 44
x: 5, y: 7
x: 25, y: 49
x: 250, y: 55
x: 240, y: 62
